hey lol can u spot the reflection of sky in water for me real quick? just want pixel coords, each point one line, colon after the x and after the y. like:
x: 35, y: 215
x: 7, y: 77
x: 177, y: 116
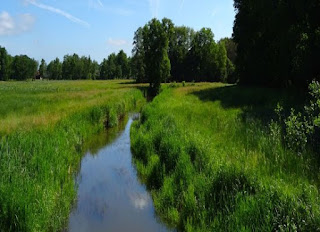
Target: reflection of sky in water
x: 140, y: 201
x: 110, y: 197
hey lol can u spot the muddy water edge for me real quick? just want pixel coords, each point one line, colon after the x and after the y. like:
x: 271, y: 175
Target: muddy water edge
x: 110, y: 196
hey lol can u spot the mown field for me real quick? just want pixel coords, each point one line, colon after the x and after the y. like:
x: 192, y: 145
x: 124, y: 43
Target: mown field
x: 43, y: 126
x: 213, y: 157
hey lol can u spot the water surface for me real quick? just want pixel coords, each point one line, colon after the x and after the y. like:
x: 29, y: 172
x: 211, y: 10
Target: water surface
x: 110, y: 196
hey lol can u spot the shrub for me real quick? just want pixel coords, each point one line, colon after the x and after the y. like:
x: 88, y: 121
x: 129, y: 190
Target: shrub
x: 302, y: 129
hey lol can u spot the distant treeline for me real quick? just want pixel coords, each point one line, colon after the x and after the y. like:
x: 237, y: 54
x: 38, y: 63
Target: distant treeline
x: 73, y: 67
x: 191, y: 56
x: 278, y: 42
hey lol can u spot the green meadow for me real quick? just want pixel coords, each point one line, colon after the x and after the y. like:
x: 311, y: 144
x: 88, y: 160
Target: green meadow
x: 211, y: 154
x: 214, y: 159
x: 43, y: 126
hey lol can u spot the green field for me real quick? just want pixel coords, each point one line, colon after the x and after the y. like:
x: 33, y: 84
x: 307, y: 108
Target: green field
x: 43, y: 126
x: 211, y: 154
x: 215, y: 161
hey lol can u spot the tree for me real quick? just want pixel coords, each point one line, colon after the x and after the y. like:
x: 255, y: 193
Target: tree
x: 278, y: 42
x: 180, y: 44
x: 43, y: 69
x: 202, y: 56
x: 156, y: 59
x: 54, y: 70
x: 123, y: 65
x: 110, y: 69
x: 137, y: 63
x: 72, y: 67
x: 23, y: 67
x: 94, y: 70
x: 4, y: 64
x: 231, y: 48
x: 221, y: 60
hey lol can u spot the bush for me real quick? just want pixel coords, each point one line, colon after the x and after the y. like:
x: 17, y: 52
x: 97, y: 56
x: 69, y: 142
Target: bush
x: 302, y: 129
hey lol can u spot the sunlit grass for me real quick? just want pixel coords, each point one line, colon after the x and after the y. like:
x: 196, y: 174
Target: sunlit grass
x: 28, y: 104
x: 43, y: 126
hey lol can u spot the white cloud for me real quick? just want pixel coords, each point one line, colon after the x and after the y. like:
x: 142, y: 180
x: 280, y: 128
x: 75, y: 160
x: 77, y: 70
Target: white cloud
x: 154, y: 7
x: 15, y: 25
x: 58, y: 11
x: 117, y: 42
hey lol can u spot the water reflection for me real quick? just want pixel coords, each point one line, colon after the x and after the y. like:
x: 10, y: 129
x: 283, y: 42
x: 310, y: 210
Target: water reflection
x: 110, y: 196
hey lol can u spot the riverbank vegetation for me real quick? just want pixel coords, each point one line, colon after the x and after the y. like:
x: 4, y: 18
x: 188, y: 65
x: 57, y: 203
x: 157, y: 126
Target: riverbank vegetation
x: 43, y: 127
x: 215, y: 159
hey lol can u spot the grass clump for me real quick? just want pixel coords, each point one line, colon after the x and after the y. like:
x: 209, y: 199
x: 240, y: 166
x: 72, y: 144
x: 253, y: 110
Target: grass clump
x: 214, y: 159
x: 38, y: 161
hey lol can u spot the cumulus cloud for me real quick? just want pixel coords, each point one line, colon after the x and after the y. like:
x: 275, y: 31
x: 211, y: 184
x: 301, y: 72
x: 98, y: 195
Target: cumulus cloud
x: 117, y: 42
x: 58, y: 11
x: 10, y: 25
x: 154, y: 7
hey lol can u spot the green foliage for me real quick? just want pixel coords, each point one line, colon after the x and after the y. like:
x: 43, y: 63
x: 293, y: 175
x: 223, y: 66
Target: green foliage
x: 191, y: 55
x: 23, y: 68
x: 156, y: 45
x: 54, y: 70
x: 115, y: 67
x: 214, y: 162
x: 76, y: 68
x: 38, y: 163
x: 278, y: 42
x: 302, y: 128
x: 4, y: 64
x: 43, y: 69
x: 137, y: 63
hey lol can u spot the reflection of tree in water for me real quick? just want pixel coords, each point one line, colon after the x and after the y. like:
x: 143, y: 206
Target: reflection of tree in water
x: 100, y: 140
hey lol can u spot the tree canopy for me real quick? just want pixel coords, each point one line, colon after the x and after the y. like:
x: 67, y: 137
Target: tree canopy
x: 278, y: 42
x: 163, y: 51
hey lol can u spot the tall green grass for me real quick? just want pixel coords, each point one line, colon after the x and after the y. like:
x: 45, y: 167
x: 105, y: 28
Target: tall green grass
x: 214, y: 161
x: 38, y: 161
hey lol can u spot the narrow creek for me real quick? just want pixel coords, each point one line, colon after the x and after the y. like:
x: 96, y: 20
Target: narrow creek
x: 110, y: 195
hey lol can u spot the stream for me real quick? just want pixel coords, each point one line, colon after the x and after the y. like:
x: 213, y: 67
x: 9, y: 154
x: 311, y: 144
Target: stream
x: 110, y: 196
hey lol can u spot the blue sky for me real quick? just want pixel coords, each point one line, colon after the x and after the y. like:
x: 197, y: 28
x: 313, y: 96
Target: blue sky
x: 52, y: 28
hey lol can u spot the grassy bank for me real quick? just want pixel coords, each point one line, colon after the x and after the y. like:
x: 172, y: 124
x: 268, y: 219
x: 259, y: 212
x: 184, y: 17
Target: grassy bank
x: 214, y: 161
x: 43, y: 127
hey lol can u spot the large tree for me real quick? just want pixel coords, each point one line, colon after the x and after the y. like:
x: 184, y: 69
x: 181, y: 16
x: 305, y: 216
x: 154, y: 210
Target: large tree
x: 180, y: 44
x: 23, y: 68
x: 278, y: 41
x: 202, y: 57
x: 156, y: 59
x: 137, y: 63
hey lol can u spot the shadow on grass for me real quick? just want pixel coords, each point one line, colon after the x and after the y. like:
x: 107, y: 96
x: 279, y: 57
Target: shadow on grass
x: 256, y: 102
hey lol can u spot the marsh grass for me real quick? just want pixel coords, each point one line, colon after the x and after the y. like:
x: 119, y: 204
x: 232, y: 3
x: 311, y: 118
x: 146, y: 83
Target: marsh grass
x: 43, y: 128
x: 214, y: 159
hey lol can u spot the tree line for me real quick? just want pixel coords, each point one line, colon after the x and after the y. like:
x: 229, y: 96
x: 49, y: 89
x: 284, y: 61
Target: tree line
x: 162, y: 52
x: 278, y: 42
x: 72, y: 67
x: 165, y: 52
